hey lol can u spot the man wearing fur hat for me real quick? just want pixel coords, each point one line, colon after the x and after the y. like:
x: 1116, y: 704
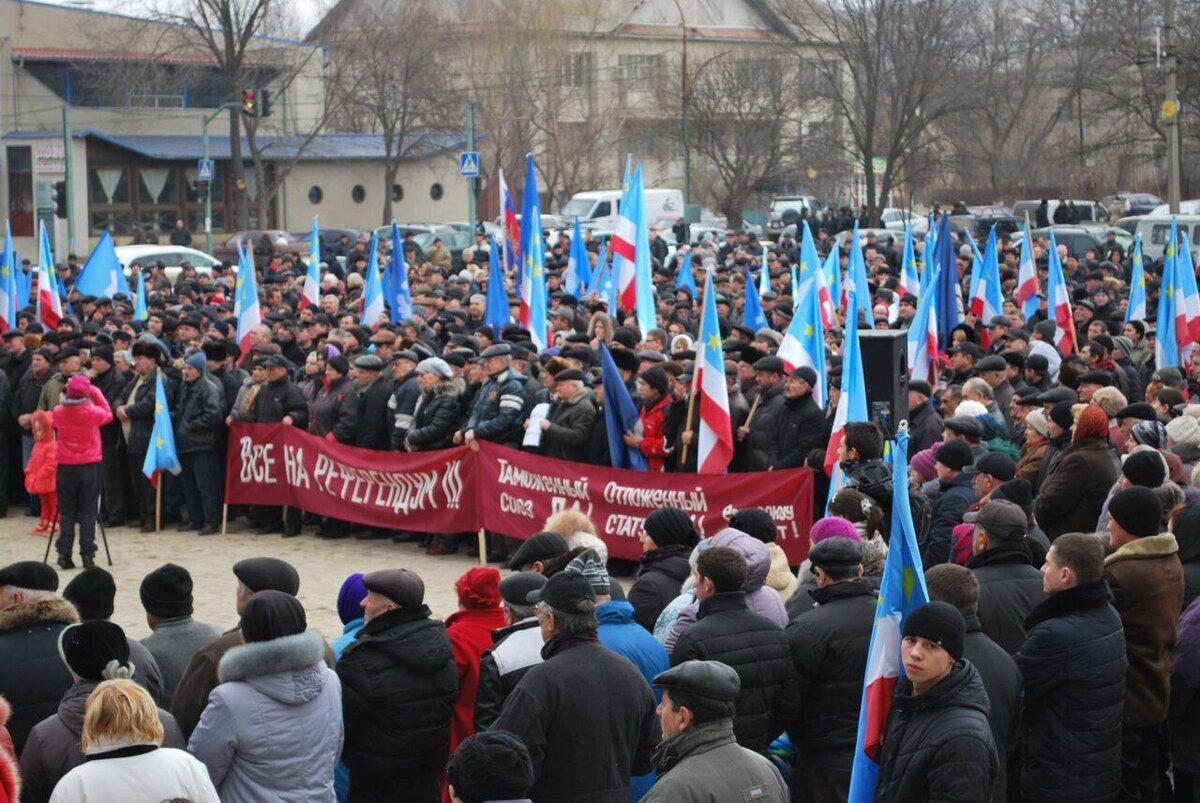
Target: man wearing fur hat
x: 136, y: 414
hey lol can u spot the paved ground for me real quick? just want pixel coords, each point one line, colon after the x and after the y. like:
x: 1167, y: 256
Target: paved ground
x: 323, y: 565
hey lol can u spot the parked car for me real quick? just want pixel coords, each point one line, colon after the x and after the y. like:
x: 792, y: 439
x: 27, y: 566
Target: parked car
x: 1078, y: 239
x: 228, y: 251
x: 300, y: 240
x: 895, y: 218
x: 1191, y: 207
x: 1136, y: 203
x: 785, y: 210
x: 1089, y: 211
x: 172, y: 256
x: 385, y: 232
x: 1155, y: 229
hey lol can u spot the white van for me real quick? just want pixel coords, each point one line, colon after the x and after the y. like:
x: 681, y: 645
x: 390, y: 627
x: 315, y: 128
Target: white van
x: 599, y: 208
x: 1156, y: 229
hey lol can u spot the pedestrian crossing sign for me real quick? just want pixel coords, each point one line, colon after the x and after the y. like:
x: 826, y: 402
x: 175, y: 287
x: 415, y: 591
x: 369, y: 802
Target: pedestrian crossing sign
x: 468, y: 164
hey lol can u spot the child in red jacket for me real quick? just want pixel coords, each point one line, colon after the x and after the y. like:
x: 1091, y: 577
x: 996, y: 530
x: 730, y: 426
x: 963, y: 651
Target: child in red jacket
x: 42, y: 469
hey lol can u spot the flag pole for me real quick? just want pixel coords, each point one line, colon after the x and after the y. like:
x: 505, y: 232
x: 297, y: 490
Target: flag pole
x: 225, y: 516
x: 692, y: 394
x: 158, y: 504
x: 482, y: 536
x: 753, y: 410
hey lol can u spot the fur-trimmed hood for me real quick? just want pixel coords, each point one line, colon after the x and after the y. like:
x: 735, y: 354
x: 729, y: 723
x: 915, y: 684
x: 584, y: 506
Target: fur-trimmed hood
x: 449, y: 387
x: 289, y: 670
x: 1150, y: 546
x: 52, y: 611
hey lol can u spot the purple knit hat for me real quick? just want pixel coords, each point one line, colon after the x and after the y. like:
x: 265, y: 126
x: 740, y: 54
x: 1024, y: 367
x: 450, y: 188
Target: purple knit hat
x: 832, y: 527
x: 350, y: 597
x: 923, y: 463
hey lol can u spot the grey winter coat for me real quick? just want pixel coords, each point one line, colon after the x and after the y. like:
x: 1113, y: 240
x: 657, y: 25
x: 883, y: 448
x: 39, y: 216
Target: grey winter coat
x: 52, y: 749
x: 272, y: 730
x: 705, y: 764
x: 173, y: 643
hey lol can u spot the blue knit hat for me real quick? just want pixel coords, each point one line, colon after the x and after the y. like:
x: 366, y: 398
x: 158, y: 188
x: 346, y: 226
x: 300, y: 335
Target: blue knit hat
x: 198, y: 361
x: 350, y: 597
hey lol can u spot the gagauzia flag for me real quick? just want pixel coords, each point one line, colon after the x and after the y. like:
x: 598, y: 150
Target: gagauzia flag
x: 1136, y: 311
x: 161, y: 455
x: 716, y: 425
x: 1060, y: 304
x: 852, y: 401
x: 923, y: 337
x: 1027, y: 279
x: 49, y: 304
x: 310, y: 295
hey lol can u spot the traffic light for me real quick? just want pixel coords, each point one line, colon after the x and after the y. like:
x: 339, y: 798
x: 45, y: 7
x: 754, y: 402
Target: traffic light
x: 59, y: 195
x: 264, y: 103
x: 249, y: 104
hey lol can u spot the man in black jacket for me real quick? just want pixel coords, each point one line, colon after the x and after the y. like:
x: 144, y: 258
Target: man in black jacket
x: 196, y: 422
x: 829, y: 645
x: 924, y: 423
x: 279, y: 401
x: 726, y: 630
x: 515, y: 647
x: 1009, y: 586
x: 399, y: 686
x: 1001, y: 678
x: 1073, y: 664
x: 586, y: 714
x: 802, y: 422
x: 759, y: 441
x: 136, y: 414
x: 938, y: 743
x: 114, y: 482
x: 373, y: 430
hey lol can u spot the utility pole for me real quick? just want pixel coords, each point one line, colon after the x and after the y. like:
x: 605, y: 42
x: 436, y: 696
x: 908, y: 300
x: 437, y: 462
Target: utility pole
x: 683, y: 95
x: 208, y: 194
x: 471, y: 181
x: 66, y: 115
x: 1170, y: 107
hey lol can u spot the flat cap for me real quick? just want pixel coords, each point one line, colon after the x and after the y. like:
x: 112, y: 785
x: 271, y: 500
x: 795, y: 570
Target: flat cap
x: 921, y: 386
x: 964, y: 426
x: 1169, y: 376
x: 568, y: 375
x: 993, y: 362
x: 368, y: 362
x: 383, y: 336
x: 31, y: 574
x: 1139, y: 410
x: 515, y: 588
x: 501, y: 349
x: 401, y: 586
x: 569, y: 592
x: 712, y: 680
x: 539, y: 546
x: 1059, y: 394
x: 276, y: 361
x: 1097, y: 377
x: 805, y: 374
x: 1001, y: 519
x: 770, y: 363
x: 267, y: 574
x: 967, y: 347
x: 999, y: 320
x: 836, y: 552
x: 995, y: 464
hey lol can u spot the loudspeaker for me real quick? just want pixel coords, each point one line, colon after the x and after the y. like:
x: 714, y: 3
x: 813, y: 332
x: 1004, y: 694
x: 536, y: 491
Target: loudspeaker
x: 885, y: 368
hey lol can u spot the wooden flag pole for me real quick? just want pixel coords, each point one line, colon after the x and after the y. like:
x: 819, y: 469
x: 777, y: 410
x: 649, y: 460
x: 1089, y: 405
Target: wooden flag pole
x: 753, y: 410
x: 692, y: 395
x: 158, y: 503
x: 482, y: 546
x: 225, y: 517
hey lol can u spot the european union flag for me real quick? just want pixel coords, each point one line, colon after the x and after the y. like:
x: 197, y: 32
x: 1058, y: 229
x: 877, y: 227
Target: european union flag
x: 496, y: 313
x: 161, y: 456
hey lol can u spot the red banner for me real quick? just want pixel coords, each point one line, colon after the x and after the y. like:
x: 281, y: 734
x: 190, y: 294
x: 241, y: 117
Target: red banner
x: 505, y: 490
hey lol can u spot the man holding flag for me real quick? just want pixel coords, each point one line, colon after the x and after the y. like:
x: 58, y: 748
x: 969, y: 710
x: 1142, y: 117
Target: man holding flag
x: 138, y: 415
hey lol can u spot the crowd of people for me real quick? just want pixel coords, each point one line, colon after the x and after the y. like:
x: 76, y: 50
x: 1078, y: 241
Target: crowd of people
x: 1055, y: 497
x: 719, y: 675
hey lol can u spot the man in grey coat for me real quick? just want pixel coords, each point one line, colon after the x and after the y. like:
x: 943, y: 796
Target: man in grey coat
x: 166, y: 595
x: 699, y: 758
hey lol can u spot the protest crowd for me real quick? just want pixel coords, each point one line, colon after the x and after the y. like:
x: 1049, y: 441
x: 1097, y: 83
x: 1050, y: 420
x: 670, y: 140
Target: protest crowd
x: 1053, y: 506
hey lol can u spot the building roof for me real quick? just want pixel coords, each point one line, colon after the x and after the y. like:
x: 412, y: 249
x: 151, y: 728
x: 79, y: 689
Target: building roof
x: 322, y: 148
x: 56, y: 54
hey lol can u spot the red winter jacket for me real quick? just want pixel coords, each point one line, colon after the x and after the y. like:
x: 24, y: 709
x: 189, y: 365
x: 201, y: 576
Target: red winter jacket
x: 470, y: 637
x: 42, y: 468
x: 78, y: 425
x: 654, y: 441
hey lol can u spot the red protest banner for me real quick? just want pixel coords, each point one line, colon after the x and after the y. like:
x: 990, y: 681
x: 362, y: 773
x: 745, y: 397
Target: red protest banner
x: 505, y: 490
x: 276, y: 464
x: 518, y: 491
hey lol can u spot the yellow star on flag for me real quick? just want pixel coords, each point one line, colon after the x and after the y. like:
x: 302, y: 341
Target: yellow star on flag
x: 808, y: 330
x: 714, y: 342
x: 159, y: 441
x: 909, y: 581
x: 158, y: 408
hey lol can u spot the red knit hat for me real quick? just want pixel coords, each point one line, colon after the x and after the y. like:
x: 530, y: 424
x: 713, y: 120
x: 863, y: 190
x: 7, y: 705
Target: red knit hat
x: 479, y: 588
x: 1092, y: 423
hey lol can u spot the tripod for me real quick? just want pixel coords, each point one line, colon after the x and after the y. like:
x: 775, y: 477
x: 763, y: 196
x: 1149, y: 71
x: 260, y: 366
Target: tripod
x: 99, y: 523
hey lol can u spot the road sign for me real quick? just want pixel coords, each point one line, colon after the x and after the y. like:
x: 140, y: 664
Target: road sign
x: 468, y: 164
x: 205, y: 168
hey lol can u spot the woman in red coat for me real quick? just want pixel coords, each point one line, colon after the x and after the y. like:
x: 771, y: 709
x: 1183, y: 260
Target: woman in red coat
x: 653, y: 387
x: 78, y: 418
x: 470, y: 629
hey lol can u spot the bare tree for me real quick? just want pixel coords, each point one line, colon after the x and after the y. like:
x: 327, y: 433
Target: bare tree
x: 393, y: 79
x: 892, y: 73
x: 743, y: 113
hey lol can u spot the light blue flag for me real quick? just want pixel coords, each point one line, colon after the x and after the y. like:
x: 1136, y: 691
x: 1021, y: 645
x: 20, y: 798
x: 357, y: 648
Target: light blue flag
x: 395, y: 280
x: 372, y: 297
x: 601, y: 259
x: 102, y: 275
x: 910, y: 277
x: 8, y: 282
x: 1136, y: 311
x: 927, y: 254
x: 24, y: 282
x: 139, y: 299
x: 533, y: 255
x: 753, y: 315
x: 684, y: 278
x: 646, y: 317
x: 579, y: 266
x: 858, y: 272
x: 833, y: 274
x: 764, y: 274
x: 161, y: 455
x: 1166, y: 353
x: 901, y: 591
x: 496, y: 313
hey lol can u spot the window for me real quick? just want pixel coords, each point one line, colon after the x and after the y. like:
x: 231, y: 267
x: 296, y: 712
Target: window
x: 358, y: 194
x: 577, y: 71
x: 397, y: 193
x: 315, y: 195
x: 641, y: 72
x: 435, y: 192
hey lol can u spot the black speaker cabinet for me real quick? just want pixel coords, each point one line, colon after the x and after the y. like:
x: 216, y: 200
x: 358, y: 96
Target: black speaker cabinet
x: 885, y: 368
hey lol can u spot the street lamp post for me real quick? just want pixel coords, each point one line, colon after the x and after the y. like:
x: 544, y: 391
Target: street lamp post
x: 208, y: 195
x: 683, y: 93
